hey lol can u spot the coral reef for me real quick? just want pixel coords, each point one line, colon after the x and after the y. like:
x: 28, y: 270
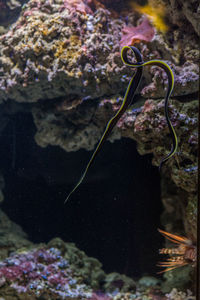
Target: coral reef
x: 88, y: 268
x: 62, y: 59
x: 69, y: 54
x: 67, y: 273
x: 150, y: 133
x: 177, y: 295
x: 115, y: 282
x: 55, y: 270
x: 41, y: 272
x: 59, y: 52
x: 88, y: 116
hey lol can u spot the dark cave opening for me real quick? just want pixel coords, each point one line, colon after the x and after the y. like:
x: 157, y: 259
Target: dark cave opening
x: 113, y: 216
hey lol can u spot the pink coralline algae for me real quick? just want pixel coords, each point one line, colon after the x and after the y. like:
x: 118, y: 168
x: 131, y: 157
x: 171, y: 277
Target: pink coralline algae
x: 145, y: 121
x: 85, y: 6
x: 81, y: 6
x: 143, y: 32
x: 41, y: 271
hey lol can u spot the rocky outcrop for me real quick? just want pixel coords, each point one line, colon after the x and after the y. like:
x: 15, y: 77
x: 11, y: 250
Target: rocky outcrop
x: 60, y: 270
x: 185, y: 10
x: 12, y: 236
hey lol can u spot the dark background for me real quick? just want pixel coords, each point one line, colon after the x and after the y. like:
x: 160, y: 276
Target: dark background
x: 113, y: 216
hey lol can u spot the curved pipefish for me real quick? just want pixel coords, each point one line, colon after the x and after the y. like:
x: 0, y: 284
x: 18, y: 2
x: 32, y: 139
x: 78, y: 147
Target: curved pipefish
x: 170, y: 76
x: 128, y: 98
x: 132, y: 87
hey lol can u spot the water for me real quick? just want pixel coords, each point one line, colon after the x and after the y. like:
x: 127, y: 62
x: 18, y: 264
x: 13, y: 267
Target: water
x: 62, y: 81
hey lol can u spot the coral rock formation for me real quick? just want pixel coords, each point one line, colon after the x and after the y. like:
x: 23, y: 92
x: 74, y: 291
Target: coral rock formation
x: 62, y: 58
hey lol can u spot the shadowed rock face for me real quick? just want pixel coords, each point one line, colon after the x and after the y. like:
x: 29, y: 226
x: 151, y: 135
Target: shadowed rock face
x: 12, y: 236
x: 9, y: 13
x: 185, y: 10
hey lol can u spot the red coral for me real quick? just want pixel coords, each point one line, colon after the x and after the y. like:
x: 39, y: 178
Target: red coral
x: 78, y: 5
x: 85, y: 6
x: 143, y: 32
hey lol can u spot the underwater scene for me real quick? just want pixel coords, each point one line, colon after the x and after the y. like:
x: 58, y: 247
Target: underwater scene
x: 99, y: 149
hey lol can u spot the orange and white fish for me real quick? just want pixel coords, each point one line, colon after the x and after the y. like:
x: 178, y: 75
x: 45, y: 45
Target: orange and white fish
x: 183, y: 254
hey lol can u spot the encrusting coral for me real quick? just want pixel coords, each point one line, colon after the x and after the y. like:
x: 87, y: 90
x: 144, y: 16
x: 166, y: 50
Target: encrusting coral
x: 76, y: 54
x: 142, y: 32
x: 64, y: 272
x: 41, y: 272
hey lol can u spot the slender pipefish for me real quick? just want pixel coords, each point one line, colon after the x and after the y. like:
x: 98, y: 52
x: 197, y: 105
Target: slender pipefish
x: 128, y: 98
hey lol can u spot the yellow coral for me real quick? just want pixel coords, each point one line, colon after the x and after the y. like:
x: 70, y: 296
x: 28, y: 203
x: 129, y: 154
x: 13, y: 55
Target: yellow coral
x: 45, y: 31
x: 75, y: 40
x: 60, y: 48
x: 64, y: 52
x: 155, y: 11
x: 37, y: 48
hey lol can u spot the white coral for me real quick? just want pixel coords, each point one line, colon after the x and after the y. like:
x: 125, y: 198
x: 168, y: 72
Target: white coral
x: 178, y: 295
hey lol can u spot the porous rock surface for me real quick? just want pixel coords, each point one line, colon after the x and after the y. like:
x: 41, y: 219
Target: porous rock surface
x: 54, y: 51
x: 185, y: 10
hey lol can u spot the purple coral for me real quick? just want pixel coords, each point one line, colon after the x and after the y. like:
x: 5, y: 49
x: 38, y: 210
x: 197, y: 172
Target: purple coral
x: 39, y: 271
